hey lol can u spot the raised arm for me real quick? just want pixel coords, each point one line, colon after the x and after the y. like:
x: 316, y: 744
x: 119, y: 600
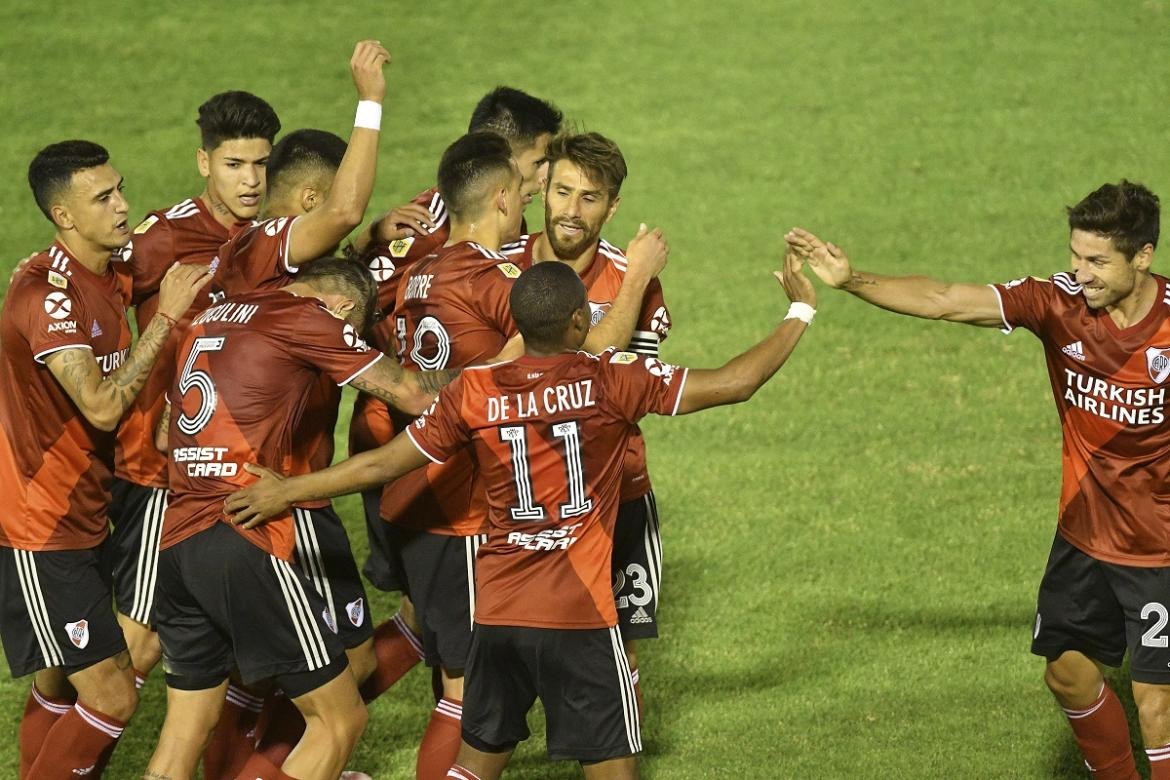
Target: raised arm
x: 273, y: 494
x: 343, y: 209
x: 102, y: 400
x: 738, y: 379
x: 411, y: 392
x: 917, y: 296
x: 646, y: 256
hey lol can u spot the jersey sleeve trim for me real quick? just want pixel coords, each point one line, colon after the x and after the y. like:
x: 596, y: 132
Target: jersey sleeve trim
x: 39, y: 357
x: 286, y: 245
x: 422, y: 449
x: 361, y: 370
x: 682, y: 385
x: 1007, y: 326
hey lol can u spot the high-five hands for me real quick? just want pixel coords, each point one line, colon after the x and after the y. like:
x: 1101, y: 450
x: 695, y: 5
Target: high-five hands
x: 797, y: 286
x: 827, y: 260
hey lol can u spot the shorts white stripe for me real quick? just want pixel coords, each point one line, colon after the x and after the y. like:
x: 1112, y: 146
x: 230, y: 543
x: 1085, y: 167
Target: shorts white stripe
x: 98, y: 723
x: 309, y: 556
x: 34, y: 602
x: 146, y: 573
x: 653, y: 543
x: 626, y: 686
x: 301, y: 614
x: 472, y: 547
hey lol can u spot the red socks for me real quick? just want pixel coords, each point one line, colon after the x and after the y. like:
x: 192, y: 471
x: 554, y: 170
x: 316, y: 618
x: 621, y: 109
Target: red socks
x: 260, y: 768
x: 459, y: 773
x: 234, y: 738
x: 440, y: 742
x: 40, y: 714
x: 398, y: 650
x: 75, y: 743
x: 1159, y: 762
x: 139, y: 679
x: 1103, y: 735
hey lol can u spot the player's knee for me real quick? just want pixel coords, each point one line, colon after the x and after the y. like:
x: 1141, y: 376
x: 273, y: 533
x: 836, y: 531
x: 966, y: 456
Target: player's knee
x: 116, y: 697
x: 1153, y: 706
x: 1070, y: 682
x: 340, y: 727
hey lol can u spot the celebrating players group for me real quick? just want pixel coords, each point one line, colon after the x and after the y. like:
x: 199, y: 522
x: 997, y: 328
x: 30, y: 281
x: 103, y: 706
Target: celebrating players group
x: 170, y: 500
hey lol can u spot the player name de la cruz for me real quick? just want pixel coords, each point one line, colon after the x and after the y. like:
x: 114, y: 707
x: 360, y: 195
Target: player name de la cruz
x: 554, y: 399
x: 1126, y: 405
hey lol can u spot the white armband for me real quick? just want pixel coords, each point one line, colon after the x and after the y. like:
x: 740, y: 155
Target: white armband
x: 369, y: 115
x: 801, y: 311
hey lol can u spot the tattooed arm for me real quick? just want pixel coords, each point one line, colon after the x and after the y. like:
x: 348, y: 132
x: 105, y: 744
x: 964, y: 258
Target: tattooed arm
x: 408, y: 391
x: 103, y: 400
x: 162, y: 431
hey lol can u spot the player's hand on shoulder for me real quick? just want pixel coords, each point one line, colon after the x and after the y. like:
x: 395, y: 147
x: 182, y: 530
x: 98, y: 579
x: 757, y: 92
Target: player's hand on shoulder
x: 647, y: 252
x: 179, y: 287
x: 366, y: 65
x: 827, y: 260
x: 405, y: 221
x: 797, y: 286
x: 21, y: 264
x: 261, y: 500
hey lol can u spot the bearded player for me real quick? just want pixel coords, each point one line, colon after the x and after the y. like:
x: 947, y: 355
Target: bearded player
x: 550, y: 430
x: 1105, y: 327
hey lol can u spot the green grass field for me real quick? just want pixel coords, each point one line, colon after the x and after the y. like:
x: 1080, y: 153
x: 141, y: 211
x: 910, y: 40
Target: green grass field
x: 852, y: 557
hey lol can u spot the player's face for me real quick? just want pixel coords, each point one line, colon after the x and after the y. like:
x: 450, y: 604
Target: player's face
x: 533, y: 164
x: 235, y: 175
x: 575, y: 210
x: 1106, y: 275
x: 95, y: 208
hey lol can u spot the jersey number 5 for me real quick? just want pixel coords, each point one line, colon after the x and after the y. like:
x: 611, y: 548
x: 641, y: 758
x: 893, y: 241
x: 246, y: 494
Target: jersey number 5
x: 193, y: 378
x: 527, y: 510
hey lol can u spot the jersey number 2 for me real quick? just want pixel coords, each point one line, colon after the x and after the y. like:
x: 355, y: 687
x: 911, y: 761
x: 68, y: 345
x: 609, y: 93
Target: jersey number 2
x: 527, y: 510
x: 193, y: 378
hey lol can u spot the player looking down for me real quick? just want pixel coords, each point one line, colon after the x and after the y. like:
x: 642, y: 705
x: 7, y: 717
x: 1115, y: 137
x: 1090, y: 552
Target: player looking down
x: 550, y: 431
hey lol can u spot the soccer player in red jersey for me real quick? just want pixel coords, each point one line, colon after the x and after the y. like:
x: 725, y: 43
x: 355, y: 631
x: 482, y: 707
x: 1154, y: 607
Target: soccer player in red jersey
x: 581, y: 196
x: 550, y: 431
x: 68, y: 374
x: 248, y: 368
x: 237, y: 130
x: 1105, y: 327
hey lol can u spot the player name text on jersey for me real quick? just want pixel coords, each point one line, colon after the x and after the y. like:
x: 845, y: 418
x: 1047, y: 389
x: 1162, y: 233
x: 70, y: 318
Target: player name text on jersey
x: 554, y: 399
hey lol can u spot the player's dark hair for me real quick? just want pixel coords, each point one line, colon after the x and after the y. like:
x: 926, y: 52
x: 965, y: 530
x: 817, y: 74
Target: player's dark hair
x: 52, y: 169
x: 468, y: 166
x: 599, y: 157
x: 344, y: 276
x: 1126, y: 212
x: 543, y: 300
x: 231, y: 115
x: 517, y: 116
x: 303, y: 153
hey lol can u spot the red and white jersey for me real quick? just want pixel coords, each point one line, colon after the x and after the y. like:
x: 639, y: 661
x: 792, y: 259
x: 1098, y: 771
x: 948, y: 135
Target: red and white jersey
x: 603, y: 279
x: 184, y: 233
x: 1111, y: 391
x: 55, y: 468
x: 549, y: 435
x: 452, y: 312
x: 249, y: 368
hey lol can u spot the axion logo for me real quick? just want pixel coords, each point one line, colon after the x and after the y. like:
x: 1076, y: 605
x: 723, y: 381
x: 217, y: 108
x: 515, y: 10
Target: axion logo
x: 381, y: 268
x: 658, y: 368
x: 660, y: 322
x: 58, y: 305
x: 78, y: 633
x: 1158, y: 363
x: 352, y: 339
x: 274, y: 226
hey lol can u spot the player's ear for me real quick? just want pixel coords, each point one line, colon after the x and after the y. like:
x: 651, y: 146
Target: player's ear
x: 1143, y: 258
x: 310, y: 199
x: 613, y: 207
x: 203, y: 161
x: 502, y: 200
x: 61, y: 216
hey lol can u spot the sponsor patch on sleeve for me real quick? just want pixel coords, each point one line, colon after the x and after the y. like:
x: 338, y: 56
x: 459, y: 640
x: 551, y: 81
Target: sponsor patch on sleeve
x: 623, y: 358
x: 510, y: 270
x: 145, y: 224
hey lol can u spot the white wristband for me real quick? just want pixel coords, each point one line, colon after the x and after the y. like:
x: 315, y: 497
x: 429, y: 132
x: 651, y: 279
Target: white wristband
x: 801, y: 311
x: 369, y: 115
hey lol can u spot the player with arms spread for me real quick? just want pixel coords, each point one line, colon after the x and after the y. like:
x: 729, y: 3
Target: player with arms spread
x: 229, y: 597
x: 1105, y: 327
x: 550, y: 431
x: 67, y: 375
x: 237, y: 130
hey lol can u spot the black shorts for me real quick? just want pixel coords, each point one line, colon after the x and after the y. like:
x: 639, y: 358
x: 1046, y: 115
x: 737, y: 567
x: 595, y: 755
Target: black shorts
x: 440, y: 581
x: 1102, y: 609
x: 381, y: 567
x: 222, y: 602
x: 324, y: 555
x: 580, y: 675
x: 637, y: 568
x: 56, y: 611
x: 131, y: 554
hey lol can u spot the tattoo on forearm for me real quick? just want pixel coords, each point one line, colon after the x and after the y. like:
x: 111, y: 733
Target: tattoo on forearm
x: 434, y: 381
x: 155, y: 776
x: 375, y: 389
x: 859, y: 280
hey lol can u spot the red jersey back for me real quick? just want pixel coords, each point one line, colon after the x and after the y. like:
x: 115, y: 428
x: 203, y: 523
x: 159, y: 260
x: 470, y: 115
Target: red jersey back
x: 55, y: 467
x: 549, y: 435
x: 1110, y: 387
x: 603, y: 279
x: 248, y: 369
x: 184, y: 233
x: 452, y: 312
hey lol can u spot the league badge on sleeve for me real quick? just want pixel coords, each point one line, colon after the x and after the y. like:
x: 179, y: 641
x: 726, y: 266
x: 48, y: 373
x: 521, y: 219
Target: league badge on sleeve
x: 623, y: 358
x: 145, y: 224
x: 1158, y: 363
x: 510, y: 270
x: 400, y: 246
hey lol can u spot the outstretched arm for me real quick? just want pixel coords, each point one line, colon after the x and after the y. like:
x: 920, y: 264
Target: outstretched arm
x: 917, y: 296
x: 273, y: 494
x: 322, y: 228
x: 738, y: 379
x: 408, y: 391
